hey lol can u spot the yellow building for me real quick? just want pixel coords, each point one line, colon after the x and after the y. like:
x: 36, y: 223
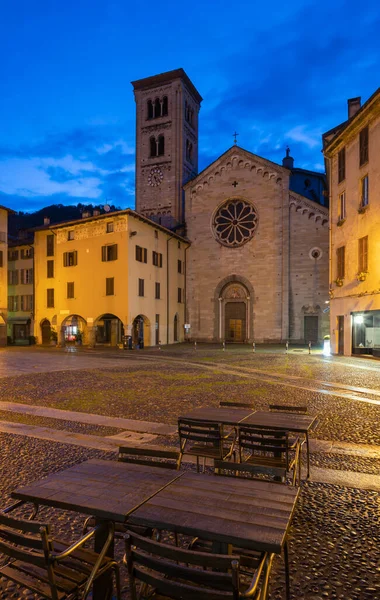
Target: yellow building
x: 109, y: 278
x: 3, y: 273
x: 20, y: 291
x: 352, y: 152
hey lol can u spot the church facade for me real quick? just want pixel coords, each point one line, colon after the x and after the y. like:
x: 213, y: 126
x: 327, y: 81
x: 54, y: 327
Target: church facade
x: 257, y: 266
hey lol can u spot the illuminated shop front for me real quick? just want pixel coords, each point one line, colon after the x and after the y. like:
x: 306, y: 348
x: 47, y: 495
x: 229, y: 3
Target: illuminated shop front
x: 366, y: 332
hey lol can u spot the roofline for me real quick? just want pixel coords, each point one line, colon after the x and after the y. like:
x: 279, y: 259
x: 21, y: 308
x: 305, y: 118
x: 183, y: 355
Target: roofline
x: 284, y: 169
x: 9, y: 210
x: 298, y: 169
x: 148, y: 82
x: 127, y: 211
x: 352, y: 120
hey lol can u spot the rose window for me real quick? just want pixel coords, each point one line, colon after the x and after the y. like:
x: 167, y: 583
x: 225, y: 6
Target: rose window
x: 235, y: 223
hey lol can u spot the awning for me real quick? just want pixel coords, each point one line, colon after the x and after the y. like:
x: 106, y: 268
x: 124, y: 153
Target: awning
x: 18, y: 321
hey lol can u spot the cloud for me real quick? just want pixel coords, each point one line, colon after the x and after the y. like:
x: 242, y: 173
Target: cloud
x: 59, y: 174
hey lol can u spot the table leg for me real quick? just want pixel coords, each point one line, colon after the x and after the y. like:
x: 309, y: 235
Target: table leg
x: 103, y: 585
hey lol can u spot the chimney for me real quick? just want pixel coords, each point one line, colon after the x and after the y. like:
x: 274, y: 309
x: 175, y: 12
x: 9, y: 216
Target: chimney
x: 46, y: 220
x: 86, y: 214
x: 95, y: 212
x: 353, y: 106
x: 288, y: 161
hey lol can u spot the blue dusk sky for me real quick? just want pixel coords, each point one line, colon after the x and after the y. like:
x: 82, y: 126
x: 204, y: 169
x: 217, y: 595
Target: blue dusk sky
x: 279, y: 73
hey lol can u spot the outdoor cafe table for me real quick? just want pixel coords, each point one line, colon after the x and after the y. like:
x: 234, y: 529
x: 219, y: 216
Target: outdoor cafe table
x: 247, y: 513
x: 222, y: 415
x: 108, y: 490
x: 296, y: 423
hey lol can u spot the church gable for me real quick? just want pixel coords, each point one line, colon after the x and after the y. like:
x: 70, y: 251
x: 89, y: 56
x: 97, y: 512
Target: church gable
x: 234, y: 160
x: 311, y: 210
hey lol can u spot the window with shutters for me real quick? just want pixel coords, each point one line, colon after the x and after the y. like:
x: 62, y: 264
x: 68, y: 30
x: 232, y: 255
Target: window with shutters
x: 110, y: 286
x: 50, y: 245
x: 180, y: 266
x: 363, y: 146
x: 26, y: 276
x: 50, y: 269
x: 70, y: 289
x: 342, y: 206
x: 109, y: 227
x: 27, y: 253
x: 141, y: 287
x: 70, y: 234
x: 141, y: 254
x: 364, y: 196
x: 340, y: 265
x: 12, y: 255
x: 363, y: 255
x: 50, y: 298
x: 13, y: 303
x: 342, y: 165
x: 13, y: 277
x: 26, y: 302
x: 158, y: 291
x: 109, y: 252
x: 157, y: 259
x: 179, y: 294
x: 70, y: 259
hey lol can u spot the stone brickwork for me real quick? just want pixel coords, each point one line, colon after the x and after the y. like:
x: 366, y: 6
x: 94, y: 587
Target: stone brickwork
x: 267, y: 266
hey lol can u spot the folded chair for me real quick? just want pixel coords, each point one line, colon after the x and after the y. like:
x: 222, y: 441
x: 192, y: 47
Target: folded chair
x: 270, y: 451
x: 165, y: 571
x: 205, y: 440
x: 51, y: 568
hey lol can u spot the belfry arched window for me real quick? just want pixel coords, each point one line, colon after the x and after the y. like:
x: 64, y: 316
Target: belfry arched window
x: 150, y: 109
x: 153, y: 146
x: 165, y: 106
x: 161, y: 145
x: 189, y: 151
x: 157, y: 108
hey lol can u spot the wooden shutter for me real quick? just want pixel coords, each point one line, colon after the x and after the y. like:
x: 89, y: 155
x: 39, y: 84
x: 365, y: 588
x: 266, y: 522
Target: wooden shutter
x: 341, y: 262
x: 363, y: 254
x: 160, y: 260
x: 104, y: 253
x: 145, y: 255
x: 363, y: 143
x: 342, y: 165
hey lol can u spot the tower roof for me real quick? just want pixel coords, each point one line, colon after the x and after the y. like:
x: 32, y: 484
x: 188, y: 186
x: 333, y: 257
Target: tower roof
x: 167, y: 77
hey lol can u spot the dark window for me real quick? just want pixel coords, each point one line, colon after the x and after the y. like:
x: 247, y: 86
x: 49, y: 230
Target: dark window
x: 70, y: 259
x: 12, y: 255
x: 150, y: 109
x: 179, y: 245
x: 363, y: 143
x: 50, y: 297
x: 152, y: 147
x: 109, y: 252
x: 70, y: 289
x: 26, y: 275
x: 157, y: 108
x: 50, y: 268
x: 13, y: 277
x: 141, y: 254
x: 50, y: 245
x: 363, y: 254
x: 189, y: 151
x: 157, y: 329
x: 179, y: 294
x: 156, y: 234
x: 364, y: 191
x: 340, y: 266
x: 110, y: 286
x: 109, y: 228
x: 179, y: 266
x: 161, y: 145
x: 157, y: 259
x: 165, y: 106
x: 26, y: 252
x: 342, y: 165
x: 1, y: 259
x: 158, y: 291
x: 141, y: 287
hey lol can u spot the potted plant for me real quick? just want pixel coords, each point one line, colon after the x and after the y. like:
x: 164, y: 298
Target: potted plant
x: 53, y: 337
x: 339, y: 281
x: 78, y: 339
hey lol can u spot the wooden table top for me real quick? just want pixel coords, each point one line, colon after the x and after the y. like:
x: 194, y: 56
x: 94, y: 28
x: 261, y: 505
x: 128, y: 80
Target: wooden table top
x: 297, y: 423
x: 247, y: 513
x: 223, y: 415
x: 103, y: 488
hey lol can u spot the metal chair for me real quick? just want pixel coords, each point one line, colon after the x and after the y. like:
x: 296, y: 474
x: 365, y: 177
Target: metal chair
x: 149, y: 455
x: 208, y: 438
x: 270, y: 451
x: 300, y: 410
x: 231, y: 404
x: 52, y: 568
x: 178, y: 573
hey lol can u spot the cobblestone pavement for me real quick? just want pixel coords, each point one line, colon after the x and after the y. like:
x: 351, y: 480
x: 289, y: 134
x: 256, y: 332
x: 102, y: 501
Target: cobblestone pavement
x: 335, y: 536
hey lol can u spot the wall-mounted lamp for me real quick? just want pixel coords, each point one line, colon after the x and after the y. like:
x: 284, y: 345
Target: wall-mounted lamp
x: 132, y: 233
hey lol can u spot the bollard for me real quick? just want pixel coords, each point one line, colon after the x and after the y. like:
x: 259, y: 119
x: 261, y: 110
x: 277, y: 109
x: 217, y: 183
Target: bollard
x: 287, y: 347
x: 253, y: 347
x: 224, y: 346
x: 159, y: 344
x: 309, y: 347
x: 195, y: 345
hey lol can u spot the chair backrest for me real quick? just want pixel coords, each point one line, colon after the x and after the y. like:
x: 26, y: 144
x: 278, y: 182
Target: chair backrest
x: 243, y: 470
x: 302, y: 410
x: 261, y: 441
x: 178, y: 573
x: 200, y: 432
x: 236, y: 404
x: 143, y: 455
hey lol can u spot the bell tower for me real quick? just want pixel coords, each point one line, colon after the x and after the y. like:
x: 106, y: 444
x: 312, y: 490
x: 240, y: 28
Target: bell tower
x: 167, y: 107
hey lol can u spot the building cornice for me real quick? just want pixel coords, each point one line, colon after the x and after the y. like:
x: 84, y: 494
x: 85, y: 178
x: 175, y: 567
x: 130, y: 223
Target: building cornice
x: 312, y: 210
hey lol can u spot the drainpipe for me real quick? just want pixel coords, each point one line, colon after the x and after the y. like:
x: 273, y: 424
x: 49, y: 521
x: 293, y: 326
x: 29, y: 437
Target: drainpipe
x: 167, y: 288
x: 185, y: 273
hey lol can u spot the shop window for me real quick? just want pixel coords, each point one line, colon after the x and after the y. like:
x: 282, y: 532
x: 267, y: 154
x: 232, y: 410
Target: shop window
x: 109, y: 252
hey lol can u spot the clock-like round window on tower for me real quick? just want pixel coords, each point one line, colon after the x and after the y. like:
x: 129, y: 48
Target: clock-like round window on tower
x: 235, y: 223
x: 155, y: 176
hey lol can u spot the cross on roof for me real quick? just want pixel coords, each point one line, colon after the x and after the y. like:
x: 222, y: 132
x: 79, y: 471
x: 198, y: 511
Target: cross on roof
x: 234, y: 135
x: 235, y: 183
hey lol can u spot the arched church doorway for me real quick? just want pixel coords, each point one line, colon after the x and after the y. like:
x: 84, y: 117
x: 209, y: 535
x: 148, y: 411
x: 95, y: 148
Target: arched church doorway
x: 234, y: 311
x: 235, y: 322
x: 45, y: 331
x: 141, y: 331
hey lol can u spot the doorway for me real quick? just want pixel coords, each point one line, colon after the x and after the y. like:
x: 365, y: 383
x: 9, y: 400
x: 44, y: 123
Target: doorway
x: 235, y: 322
x: 341, y: 334
x: 311, y: 329
x: 45, y: 331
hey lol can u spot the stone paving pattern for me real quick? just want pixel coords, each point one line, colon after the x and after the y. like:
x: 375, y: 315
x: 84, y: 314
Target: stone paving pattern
x: 335, y: 537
